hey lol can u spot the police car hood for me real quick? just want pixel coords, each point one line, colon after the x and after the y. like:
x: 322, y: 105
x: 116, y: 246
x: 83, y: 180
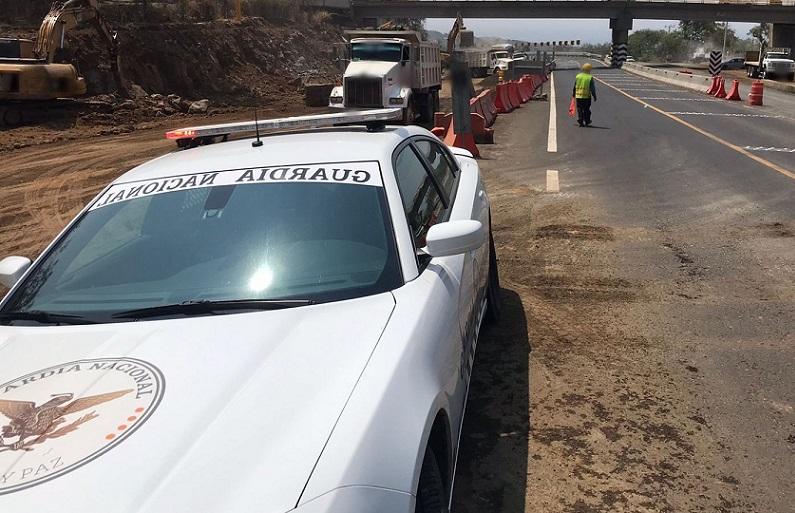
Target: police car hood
x: 215, y: 414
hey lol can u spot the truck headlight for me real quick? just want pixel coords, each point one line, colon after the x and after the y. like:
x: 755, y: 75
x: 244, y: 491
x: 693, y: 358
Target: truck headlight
x: 396, y: 101
x: 335, y: 99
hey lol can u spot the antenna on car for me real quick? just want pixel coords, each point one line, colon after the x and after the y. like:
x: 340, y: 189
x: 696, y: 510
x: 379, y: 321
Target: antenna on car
x: 256, y: 143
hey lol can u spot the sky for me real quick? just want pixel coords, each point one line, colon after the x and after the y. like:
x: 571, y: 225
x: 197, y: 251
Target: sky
x: 532, y: 30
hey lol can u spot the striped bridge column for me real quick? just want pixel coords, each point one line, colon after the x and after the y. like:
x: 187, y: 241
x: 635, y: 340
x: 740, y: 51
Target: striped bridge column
x: 715, y: 63
x: 619, y: 55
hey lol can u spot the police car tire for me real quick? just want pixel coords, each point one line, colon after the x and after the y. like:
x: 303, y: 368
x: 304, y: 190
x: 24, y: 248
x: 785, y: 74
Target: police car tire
x: 431, y: 497
x: 493, y: 300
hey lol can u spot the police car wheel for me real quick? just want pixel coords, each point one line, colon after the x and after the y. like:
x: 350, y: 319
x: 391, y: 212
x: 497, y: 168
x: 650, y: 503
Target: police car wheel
x: 431, y: 497
x: 493, y: 300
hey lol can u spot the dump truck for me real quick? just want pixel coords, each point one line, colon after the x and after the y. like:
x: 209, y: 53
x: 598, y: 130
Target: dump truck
x: 31, y: 83
x: 389, y: 69
x: 775, y: 62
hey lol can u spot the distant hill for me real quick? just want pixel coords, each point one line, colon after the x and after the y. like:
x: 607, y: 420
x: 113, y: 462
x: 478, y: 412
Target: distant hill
x: 482, y: 42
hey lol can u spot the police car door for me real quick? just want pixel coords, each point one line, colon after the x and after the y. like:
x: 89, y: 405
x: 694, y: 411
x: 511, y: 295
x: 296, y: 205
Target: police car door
x: 438, y: 201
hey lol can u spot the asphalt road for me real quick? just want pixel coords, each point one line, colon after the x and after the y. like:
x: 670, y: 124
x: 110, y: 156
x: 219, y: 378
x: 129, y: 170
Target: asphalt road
x: 656, y: 297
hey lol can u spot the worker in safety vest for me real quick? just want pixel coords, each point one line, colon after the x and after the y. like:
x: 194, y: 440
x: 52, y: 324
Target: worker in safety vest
x: 584, y: 90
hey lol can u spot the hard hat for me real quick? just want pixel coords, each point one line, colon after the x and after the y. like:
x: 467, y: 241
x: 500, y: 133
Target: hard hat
x: 587, y: 66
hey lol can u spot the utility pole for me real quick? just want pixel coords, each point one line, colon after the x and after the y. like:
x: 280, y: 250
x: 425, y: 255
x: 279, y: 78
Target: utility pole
x: 725, y: 30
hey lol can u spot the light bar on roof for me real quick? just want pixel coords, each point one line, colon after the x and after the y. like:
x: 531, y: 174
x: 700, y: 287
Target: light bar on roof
x: 360, y: 117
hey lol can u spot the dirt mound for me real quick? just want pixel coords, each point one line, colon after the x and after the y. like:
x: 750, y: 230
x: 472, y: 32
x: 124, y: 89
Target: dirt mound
x: 225, y: 61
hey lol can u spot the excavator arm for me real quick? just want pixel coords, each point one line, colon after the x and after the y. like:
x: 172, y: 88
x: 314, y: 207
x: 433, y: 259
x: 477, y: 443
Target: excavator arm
x: 458, y: 26
x: 65, y: 16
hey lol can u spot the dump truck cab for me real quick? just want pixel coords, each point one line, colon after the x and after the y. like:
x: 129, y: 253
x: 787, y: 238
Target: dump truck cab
x: 390, y: 69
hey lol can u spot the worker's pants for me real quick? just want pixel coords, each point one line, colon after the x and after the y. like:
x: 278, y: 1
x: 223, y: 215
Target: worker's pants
x: 584, y: 111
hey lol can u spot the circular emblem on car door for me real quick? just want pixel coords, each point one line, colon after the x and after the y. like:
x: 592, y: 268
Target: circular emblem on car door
x: 57, y: 419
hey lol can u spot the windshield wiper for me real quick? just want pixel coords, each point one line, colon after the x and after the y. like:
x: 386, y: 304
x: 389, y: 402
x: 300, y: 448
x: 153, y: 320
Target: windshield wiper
x: 44, y: 317
x: 205, y: 306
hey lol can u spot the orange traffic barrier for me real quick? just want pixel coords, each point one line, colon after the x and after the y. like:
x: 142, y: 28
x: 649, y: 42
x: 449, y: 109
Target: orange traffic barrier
x: 513, y: 94
x: 533, y: 83
x: 465, y: 141
x: 757, y: 91
x: 502, y: 100
x: 721, y: 92
x: 481, y: 133
x: 487, y: 106
x: 734, y: 92
x: 524, y: 90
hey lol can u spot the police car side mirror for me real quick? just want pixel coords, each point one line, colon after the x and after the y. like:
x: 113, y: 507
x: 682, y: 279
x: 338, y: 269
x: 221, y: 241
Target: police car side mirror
x: 12, y: 268
x: 454, y: 238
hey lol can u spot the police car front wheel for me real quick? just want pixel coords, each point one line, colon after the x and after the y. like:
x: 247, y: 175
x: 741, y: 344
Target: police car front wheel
x: 431, y: 497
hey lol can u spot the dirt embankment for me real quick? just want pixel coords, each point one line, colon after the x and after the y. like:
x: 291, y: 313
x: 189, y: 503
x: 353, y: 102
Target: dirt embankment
x: 232, y: 64
x: 225, y: 61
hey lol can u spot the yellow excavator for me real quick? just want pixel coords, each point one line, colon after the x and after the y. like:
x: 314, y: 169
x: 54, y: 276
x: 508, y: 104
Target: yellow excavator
x: 452, y: 36
x: 30, y: 80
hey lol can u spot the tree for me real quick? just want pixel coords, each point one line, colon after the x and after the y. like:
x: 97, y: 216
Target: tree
x: 699, y: 31
x: 658, y: 45
x: 761, y: 33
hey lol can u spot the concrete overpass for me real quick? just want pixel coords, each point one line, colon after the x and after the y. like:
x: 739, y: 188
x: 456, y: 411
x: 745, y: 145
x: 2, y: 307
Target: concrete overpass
x: 621, y: 13
x: 752, y: 11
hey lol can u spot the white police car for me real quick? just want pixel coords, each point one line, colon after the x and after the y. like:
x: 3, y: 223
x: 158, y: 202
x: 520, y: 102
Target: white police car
x: 239, y: 328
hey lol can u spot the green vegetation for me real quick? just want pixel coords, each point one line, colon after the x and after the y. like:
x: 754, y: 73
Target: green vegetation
x: 689, y: 40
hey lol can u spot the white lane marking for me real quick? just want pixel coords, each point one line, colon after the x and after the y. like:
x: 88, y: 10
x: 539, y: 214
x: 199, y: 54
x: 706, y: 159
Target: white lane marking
x: 653, y: 90
x: 770, y: 148
x: 733, y: 114
x: 679, y: 99
x: 553, y: 183
x: 552, y: 137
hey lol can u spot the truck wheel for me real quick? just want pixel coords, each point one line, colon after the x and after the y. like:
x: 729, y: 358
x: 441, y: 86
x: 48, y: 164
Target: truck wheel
x: 410, y: 113
x: 426, y: 109
x: 791, y: 77
x: 12, y: 117
x: 437, y: 104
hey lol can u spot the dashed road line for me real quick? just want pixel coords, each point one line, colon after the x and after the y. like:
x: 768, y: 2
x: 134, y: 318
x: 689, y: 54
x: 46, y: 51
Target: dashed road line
x: 552, y: 136
x: 709, y: 135
x: 732, y: 114
x: 653, y: 90
x: 769, y: 148
x: 680, y: 99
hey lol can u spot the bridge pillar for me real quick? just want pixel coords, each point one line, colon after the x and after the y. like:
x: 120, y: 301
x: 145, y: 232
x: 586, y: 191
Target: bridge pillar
x: 621, y: 28
x: 782, y: 36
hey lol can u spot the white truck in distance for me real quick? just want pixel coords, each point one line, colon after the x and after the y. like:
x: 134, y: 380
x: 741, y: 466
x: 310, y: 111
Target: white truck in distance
x: 390, y: 69
x: 501, y: 57
x: 776, y: 63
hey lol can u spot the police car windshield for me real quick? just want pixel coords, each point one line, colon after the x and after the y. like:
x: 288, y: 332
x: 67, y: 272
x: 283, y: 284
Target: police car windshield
x: 387, y: 52
x: 239, y: 241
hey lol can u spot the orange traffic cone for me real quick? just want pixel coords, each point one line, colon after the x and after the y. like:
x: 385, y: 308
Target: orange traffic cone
x: 734, y: 93
x: 714, y: 87
x: 721, y: 92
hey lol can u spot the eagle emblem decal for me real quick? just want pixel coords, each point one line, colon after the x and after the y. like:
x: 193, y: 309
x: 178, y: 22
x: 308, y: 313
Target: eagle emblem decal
x: 55, y: 420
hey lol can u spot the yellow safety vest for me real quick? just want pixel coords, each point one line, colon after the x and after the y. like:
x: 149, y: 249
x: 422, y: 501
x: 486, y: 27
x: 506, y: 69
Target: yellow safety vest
x: 582, y: 86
